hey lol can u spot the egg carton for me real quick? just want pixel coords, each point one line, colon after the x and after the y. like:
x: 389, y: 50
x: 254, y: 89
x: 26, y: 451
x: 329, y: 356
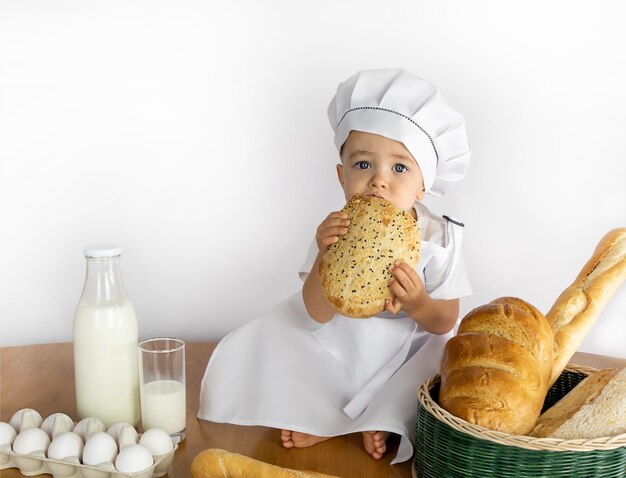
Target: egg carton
x: 37, y: 463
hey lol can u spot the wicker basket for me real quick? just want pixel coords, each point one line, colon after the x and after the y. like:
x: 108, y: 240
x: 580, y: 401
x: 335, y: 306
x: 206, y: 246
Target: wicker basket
x: 449, y: 447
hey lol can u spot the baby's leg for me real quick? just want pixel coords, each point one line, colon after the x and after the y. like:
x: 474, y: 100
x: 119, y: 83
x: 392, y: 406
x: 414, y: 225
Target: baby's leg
x: 375, y: 443
x: 293, y: 439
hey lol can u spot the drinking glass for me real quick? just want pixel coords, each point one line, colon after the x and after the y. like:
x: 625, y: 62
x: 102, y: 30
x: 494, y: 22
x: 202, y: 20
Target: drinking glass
x: 162, y: 385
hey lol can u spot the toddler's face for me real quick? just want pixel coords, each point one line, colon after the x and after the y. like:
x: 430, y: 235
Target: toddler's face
x: 374, y: 165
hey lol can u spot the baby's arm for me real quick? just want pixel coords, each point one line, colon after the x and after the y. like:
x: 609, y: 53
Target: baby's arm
x: 328, y: 232
x: 436, y: 316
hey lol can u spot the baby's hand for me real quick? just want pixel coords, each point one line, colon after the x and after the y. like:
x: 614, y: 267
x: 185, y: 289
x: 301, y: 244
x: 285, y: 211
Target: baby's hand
x: 329, y: 231
x: 407, y: 289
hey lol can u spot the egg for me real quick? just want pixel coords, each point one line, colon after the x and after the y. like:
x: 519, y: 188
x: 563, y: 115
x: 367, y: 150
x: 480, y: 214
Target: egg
x: 7, y: 434
x: 128, y: 436
x: 99, y: 448
x: 57, y: 423
x: 114, y: 430
x: 123, y: 433
x: 65, y: 445
x: 157, y: 441
x: 26, y: 418
x: 133, y: 458
x: 30, y: 440
x: 88, y: 426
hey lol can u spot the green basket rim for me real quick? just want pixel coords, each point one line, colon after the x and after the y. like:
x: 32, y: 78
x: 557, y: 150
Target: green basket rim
x: 520, y: 441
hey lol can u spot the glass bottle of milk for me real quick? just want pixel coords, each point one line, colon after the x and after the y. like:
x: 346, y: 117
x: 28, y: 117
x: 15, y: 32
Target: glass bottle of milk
x: 106, y: 368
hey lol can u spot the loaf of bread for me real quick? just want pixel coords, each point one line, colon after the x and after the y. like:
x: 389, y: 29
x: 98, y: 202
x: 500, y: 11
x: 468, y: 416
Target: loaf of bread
x: 578, y: 307
x: 355, y: 270
x: 595, y: 408
x: 217, y: 463
x: 495, y: 371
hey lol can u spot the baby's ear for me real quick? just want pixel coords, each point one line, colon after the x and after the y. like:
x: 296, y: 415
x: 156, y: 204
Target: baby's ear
x: 340, y: 173
x: 421, y: 194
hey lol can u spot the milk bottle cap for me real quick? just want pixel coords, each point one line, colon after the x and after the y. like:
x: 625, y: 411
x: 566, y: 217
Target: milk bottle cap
x: 99, y: 252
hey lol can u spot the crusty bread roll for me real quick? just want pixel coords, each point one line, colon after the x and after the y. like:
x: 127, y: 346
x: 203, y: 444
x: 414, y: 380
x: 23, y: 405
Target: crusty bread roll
x: 530, y: 330
x: 578, y: 307
x: 355, y: 270
x: 495, y: 371
x: 595, y: 408
x: 216, y: 463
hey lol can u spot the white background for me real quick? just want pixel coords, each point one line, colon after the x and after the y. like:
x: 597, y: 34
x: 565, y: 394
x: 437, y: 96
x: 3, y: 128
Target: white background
x: 194, y: 134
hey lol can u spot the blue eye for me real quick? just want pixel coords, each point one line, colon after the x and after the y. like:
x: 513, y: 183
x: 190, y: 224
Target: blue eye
x: 399, y: 168
x: 363, y: 165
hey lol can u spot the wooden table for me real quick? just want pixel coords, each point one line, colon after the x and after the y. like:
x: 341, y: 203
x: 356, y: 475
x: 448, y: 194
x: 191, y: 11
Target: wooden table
x: 42, y: 377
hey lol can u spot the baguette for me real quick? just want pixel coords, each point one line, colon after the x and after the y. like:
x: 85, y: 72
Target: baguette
x: 217, y: 463
x: 595, y: 408
x: 496, y: 369
x: 578, y: 307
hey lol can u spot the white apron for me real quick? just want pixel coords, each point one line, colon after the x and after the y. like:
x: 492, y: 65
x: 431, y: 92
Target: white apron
x: 284, y: 370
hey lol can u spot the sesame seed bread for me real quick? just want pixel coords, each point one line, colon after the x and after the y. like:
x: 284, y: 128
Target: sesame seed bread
x: 595, y: 408
x: 355, y: 270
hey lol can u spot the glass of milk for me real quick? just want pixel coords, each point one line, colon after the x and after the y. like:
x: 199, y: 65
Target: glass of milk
x: 162, y: 385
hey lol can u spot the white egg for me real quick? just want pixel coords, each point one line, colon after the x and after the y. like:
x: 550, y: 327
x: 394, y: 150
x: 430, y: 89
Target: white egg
x: 128, y: 436
x: 57, y: 423
x: 99, y: 448
x: 133, y: 458
x: 157, y: 441
x: 30, y: 440
x: 7, y: 434
x: 114, y: 430
x: 65, y: 445
x: 123, y: 433
x: 26, y: 417
x: 88, y: 426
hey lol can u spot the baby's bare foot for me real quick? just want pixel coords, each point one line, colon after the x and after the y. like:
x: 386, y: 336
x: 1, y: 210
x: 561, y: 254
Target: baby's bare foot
x: 293, y: 439
x: 375, y: 443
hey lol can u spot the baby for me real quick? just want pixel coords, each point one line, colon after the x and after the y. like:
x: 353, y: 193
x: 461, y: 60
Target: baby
x: 397, y: 140
x: 376, y: 161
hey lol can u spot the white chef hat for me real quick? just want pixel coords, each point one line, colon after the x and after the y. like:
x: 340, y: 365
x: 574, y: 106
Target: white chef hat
x: 401, y: 106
